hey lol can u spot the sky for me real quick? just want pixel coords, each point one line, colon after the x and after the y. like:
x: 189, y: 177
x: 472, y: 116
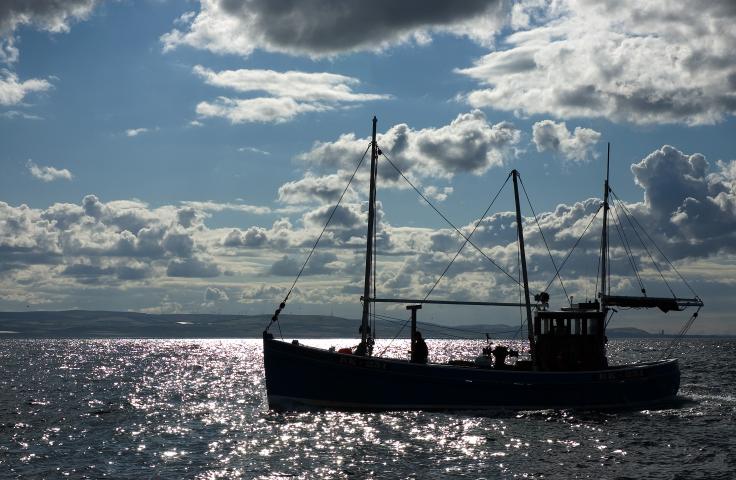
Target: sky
x: 164, y: 157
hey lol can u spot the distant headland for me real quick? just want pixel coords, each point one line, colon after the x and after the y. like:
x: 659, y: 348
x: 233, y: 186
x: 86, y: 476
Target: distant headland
x: 105, y: 324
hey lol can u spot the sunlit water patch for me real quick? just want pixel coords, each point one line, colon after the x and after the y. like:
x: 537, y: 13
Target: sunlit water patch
x: 197, y: 409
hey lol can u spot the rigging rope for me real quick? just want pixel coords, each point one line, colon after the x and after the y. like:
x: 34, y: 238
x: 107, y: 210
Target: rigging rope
x: 627, y: 248
x: 625, y: 209
x: 447, y: 220
x: 275, y: 317
x: 562, y: 265
x: 656, y: 265
x: 468, y: 238
x: 680, y: 335
x: 542, y: 234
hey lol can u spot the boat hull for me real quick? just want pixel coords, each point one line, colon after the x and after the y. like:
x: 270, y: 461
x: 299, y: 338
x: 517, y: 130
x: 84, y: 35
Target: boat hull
x: 300, y: 377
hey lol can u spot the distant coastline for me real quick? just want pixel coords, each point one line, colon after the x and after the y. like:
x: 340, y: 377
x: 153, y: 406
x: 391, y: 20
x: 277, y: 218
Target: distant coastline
x: 107, y: 324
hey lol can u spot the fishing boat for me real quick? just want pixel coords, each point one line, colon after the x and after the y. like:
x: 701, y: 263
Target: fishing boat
x: 566, y: 366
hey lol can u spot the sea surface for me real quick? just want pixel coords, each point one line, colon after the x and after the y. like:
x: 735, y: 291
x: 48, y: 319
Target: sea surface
x: 197, y: 409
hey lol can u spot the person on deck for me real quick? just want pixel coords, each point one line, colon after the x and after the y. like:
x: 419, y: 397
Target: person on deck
x: 419, y: 350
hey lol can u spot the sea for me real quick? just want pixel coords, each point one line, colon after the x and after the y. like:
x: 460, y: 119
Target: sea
x: 137, y: 409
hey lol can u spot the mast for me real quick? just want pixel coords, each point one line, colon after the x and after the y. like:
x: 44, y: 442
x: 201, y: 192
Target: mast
x: 604, y: 233
x: 520, y: 230
x: 369, y: 238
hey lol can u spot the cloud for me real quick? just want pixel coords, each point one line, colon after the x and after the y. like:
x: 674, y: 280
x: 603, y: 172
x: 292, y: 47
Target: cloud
x: 290, y: 94
x: 320, y: 263
x: 311, y: 188
x: 192, y: 268
x: 13, y: 91
x: 257, y: 110
x: 48, y: 174
x: 438, y: 194
x: 319, y: 28
x: 692, y: 209
x: 630, y: 61
x: 311, y: 87
x: 263, y: 293
x: 574, y: 146
x: 134, y: 132
x: 254, y: 150
x: 688, y: 206
x: 48, y: 15
x: 252, y: 237
x: 93, y: 274
x: 214, y: 294
x: 210, y: 206
x: 469, y: 144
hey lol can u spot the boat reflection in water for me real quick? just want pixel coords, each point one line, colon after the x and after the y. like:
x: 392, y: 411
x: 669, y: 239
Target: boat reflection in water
x: 566, y: 366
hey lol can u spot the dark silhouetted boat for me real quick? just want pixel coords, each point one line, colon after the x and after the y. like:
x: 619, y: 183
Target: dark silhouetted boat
x: 567, y: 365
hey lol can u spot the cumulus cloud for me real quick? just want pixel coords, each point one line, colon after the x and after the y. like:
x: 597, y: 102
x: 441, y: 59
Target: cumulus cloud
x: 310, y: 188
x: 554, y: 137
x: 320, y: 263
x: 437, y: 193
x: 469, y: 144
x: 639, y: 62
x: 689, y: 210
x: 48, y: 15
x: 252, y: 237
x: 263, y: 293
x: 692, y: 208
x: 13, y: 90
x: 320, y: 28
x: 290, y: 94
x: 122, y: 239
x: 214, y: 294
x: 48, y: 174
x: 688, y: 206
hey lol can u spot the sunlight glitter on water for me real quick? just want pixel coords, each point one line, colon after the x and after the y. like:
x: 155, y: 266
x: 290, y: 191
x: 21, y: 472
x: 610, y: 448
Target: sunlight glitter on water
x: 178, y: 408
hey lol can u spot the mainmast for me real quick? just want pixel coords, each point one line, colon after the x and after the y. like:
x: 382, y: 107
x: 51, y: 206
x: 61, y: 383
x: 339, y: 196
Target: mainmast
x: 522, y: 253
x: 604, y: 233
x: 369, y: 238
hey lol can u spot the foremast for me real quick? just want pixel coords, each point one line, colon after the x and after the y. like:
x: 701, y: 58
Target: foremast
x: 522, y: 254
x: 604, y: 235
x: 364, y: 326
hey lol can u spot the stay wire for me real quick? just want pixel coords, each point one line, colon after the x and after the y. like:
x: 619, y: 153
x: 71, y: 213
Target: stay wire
x: 641, y: 241
x: 477, y: 224
x: 394, y: 338
x: 623, y: 206
x: 562, y: 265
x: 447, y: 220
x: 329, y: 219
x: 627, y: 247
x: 518, y: 271
x: 554, y: 264
x: 316, y: 242
x: 683, y: 331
